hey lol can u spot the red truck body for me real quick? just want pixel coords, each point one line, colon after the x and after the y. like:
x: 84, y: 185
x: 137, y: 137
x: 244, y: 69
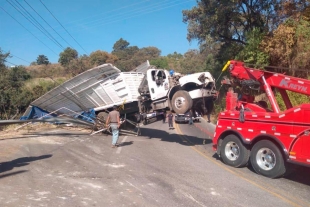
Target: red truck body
x: 267, y: 137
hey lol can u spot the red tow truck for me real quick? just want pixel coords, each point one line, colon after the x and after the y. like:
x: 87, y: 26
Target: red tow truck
x: 259, y: 132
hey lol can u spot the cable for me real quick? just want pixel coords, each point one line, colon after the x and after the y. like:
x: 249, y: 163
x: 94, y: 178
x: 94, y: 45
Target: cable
x: 109, y: 11
x: 46, y: 33
x: 10, y: 63
x: 28, y: 30
x: 47, y: 23
x: 136, y: 10
x: 20, y: 58
x: 139, y: 14
x: 62, y: 26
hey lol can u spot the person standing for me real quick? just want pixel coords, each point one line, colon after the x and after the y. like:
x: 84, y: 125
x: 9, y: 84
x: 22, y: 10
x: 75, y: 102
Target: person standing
x: 114, y: 121
x: 190, y: 121
x: 170, y: 119
x: 164, y: 117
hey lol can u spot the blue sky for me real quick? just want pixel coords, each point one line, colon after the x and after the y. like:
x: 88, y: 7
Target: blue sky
x: 93, y: 25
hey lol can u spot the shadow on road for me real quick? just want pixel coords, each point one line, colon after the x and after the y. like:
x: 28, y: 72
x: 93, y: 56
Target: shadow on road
x: 299, y: 174
x: 173, y: 137
x: 123, y: 144
x: 23, y: 161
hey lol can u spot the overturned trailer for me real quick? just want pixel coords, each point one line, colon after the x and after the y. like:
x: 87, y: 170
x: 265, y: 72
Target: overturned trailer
x: 145, y: 90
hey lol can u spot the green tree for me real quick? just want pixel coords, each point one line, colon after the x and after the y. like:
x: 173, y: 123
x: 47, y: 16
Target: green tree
x: 67, y: 55
x: 42, y: 60
x: 11, y: 84
x: 3, y: 57
x: 78, y: 66
x: 160, y: 62
x: 193, y: 62
x: 120, y: 44
x: 289, y: 45
x: 253, y: 53
x: 100, y: 57
x: 227, y: 22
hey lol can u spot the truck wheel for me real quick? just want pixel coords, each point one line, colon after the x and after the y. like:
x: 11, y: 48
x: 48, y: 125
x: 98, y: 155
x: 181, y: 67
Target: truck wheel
x: 233, y: 152
x: 100, y: 121
x: 181, y: 102
x: 267, y: 160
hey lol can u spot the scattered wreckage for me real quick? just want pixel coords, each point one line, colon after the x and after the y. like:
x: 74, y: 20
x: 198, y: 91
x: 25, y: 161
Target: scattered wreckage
x: 142, y: 95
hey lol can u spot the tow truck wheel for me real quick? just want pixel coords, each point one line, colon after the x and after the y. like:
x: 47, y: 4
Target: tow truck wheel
x: 267, y: 160
x: 233, y: 152
x: 181, y: 102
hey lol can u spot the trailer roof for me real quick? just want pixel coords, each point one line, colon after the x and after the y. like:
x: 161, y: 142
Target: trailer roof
x: 79, y: 93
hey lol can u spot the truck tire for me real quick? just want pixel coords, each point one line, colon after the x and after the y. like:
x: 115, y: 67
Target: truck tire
x: 100, y: 120
x: 233, y: 152
x: 181, y: 102
x: 267, y: 160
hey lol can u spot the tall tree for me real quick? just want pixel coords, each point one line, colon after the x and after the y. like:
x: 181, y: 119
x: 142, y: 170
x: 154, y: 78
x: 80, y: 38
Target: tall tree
x: 67, y: 55
x: 228, y: 20
x: 3, y: 57
x: 289, y: 46
x: 42, y: 60
x: 100, y: 57
x: 120, y: 44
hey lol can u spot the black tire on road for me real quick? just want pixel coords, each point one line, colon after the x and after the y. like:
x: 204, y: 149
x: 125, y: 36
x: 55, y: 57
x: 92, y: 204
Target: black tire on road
x: 181, y: 102
x: 267, y: 159
x: 100, y: 120
x: 233, y: 152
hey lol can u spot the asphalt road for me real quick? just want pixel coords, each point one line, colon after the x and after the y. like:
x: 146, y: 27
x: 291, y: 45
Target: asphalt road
x: 160, y: 168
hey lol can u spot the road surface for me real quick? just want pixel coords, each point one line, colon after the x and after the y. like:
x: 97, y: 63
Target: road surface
x: 162, y: 167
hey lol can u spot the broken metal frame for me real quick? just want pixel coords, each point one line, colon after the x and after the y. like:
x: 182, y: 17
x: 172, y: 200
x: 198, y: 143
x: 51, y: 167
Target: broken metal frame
x: 50, y: 114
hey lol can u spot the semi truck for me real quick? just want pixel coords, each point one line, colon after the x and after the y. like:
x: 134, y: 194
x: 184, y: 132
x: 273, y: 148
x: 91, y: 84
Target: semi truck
x: 258, y: 131
x: 145, y: 90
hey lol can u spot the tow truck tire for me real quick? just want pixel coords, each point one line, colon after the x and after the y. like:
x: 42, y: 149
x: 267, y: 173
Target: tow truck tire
x: 267, y: 160
x: 181, y: 102
x: 233, y: 152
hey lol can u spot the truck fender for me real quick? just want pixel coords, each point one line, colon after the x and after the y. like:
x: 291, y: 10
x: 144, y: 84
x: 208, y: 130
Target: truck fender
x: 272, y: 139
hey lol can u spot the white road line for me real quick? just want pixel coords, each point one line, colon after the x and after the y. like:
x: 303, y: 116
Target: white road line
x: 119, y: 149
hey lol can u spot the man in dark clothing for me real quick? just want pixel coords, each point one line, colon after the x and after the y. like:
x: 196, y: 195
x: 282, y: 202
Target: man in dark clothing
x: 190, y: 121
x: 170, y: 119
x: 164, y: 117
x: 114, y: 121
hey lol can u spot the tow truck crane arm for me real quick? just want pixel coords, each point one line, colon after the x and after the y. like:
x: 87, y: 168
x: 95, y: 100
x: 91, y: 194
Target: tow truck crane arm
x: 267, y: 80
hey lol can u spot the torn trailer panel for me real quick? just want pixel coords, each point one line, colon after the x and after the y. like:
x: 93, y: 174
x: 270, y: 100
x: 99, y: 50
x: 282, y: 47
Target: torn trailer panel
x: 98, y: 88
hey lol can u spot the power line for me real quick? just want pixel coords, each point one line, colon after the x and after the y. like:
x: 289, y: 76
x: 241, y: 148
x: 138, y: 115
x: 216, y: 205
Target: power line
x: 10, y: 63
x: 62, y: 26
x: 40, y: 25
x: 20, y: 58
x: 47, y: 23
x: 109, y: 11
x: 28, y: 30
x: 31, y: 19
x: 151, y: 10
x: 134, y: 11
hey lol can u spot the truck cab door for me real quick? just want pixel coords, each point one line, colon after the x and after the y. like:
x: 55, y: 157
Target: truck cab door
x: 158, y: 83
